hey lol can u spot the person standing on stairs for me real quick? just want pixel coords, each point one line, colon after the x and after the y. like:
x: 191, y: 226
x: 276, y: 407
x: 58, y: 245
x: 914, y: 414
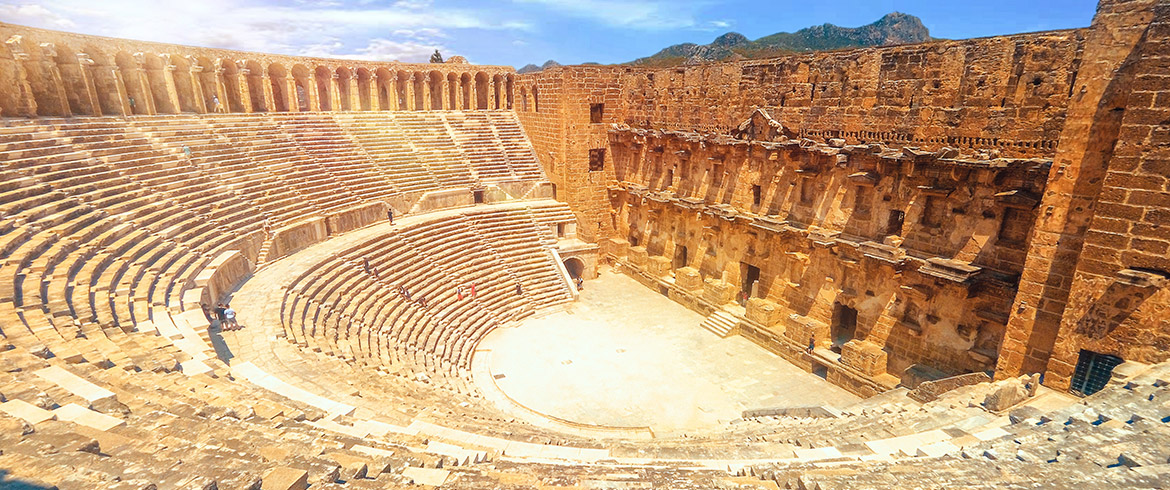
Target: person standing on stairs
x: 229, y: 316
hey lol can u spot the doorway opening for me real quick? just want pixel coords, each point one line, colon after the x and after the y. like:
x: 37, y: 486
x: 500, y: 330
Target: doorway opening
x: 844, y: 326
x: 1093, y: 372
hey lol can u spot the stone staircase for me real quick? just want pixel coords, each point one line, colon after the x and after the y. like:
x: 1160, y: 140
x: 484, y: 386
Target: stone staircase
x: 720, y: 323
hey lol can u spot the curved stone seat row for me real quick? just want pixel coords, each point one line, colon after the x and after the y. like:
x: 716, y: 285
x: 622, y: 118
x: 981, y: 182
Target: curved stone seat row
x: 340, y: 308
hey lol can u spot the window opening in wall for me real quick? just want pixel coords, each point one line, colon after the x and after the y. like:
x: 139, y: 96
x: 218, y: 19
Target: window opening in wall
x: 894, y: 225
x: 596, y: 113
x: 757, y: 194
x: 1093, y: 372
x: 751, y: 276
x: 844, y: 326
x: 560, y: 230
x: 669, y: 180
x: 807, y: 189
x: 932, y: 212
x: 478, y: 196
x: 597, y: 159
x: 1014, y: 228
x: 680, y: 257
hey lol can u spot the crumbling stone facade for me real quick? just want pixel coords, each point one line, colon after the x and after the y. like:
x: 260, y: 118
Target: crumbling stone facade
x: 949, y: 198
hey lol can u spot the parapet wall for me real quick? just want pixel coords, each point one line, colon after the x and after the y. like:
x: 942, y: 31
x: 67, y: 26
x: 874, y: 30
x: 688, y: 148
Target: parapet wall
x: 51, y: 73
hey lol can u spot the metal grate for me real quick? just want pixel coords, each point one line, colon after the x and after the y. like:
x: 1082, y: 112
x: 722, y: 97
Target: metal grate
x: 1093, y: 372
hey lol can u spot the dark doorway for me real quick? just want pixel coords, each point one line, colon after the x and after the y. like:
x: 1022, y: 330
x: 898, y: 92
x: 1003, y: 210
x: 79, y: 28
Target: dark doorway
x: 478, y: 196
x: 680, y: 257
x: 894, y: 225
x: 1093, y: 372
x: 575, y: 267
x: 751, y: 275
x: 844, y: 326
x: 820, y: 370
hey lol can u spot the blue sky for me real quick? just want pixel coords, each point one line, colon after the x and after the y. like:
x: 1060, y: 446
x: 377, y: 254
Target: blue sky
x: 512, y: 32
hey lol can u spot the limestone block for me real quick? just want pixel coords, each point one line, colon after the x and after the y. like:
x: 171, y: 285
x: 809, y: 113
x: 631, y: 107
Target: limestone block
x: 865, y: 356
x: 1009, y: 393
x: 688, y: 278
x: 763, y: 311
x: 637, y: 256
x: 718, y: 291
x: 355, y: 217
x: 658, y: 266
x: 291, y: 238
x: 616, y: 246
x: 281, y: 478
x: 801, y: 328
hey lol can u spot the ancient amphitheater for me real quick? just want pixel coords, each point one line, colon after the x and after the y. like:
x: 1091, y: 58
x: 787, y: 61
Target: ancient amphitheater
x: 921, y: 266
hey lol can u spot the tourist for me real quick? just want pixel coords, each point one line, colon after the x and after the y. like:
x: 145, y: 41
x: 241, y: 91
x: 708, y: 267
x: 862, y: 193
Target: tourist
x: 187, y: 153
x: 366, y: 265
x: 459, y: 292
x: 812, y: 344
x: 230, y: 317
x: 580, y: 283
x: 519, y: 290
x: 405, y: 293
x: 473, y: 290
x: 390, y: 215
x: 131, y: 104
x: 215, y: 105
x: 422, y: 301
x: 219, y: 314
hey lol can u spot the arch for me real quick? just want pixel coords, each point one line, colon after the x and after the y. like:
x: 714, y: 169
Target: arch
x: 301, y: 87
x: 465, y: 87
x: 105, y: 83
x: 323, y: 78
x: 497, y: 100
x: 278, y: 78
x: 385, y: 89
x: 39, y: 74
x: 207, y: 81
x: 163, y: 104
x: 229, y: 77
x: 481, y: 91
x: 71, y: 80
x: 419, y: 94
x: 509, y: 90
x: 128, y: 67
x: 184, y: 85
x: 453, y: 91
x: 344, y: 75
x: 255, y: 79
x: 435, y: 79
x: 363, y: 89
x: 575, y: 266
x: 400, y: 90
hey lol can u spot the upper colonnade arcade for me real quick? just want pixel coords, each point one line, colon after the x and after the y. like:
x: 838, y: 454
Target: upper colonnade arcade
x: 51, y: 73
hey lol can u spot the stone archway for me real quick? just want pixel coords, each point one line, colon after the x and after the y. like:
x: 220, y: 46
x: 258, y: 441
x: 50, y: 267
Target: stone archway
x: 575, y: 266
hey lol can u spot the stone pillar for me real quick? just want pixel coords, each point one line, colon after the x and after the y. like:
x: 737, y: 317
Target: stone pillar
x: 392, y: 93
x: 143, y: 80
x: 197, y: 87
x: 375, y: 93
x: 355, y: 96
x: 269, y: 97
x: 172, y: 89
x: 472, y: 96
x: 28, y: 103
x: 90, y: 97
x: 49, y: 67
x: 123, y: 95
x: 335, y: 97
x: 221, y: 89
x: 314, y: 91
x: 426, y: 85
x: 291, y: 99
x: 445, y: 86
x: 409, y: 93
x: 492, y: 88
x: 245, y: 90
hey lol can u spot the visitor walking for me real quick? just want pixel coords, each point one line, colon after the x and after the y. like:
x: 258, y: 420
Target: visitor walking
x: 187, y: 153
x: 812, y: 344
x: 216, y: 106
x: 366, y: 265
x: 219, y: 314
x: 390, y: 215
x: 459, y: 292
x: 473, y: 290
x: 580, y: 283
x: 229, y: 316
x: 519, y: 290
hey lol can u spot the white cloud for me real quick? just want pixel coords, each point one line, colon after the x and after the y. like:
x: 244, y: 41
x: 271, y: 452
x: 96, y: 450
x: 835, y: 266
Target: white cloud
x: 387, y: 50
x: 645, y: 14
x: 30, y: 14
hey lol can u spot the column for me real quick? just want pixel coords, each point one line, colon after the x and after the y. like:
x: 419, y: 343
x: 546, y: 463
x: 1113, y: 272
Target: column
x: 493, y: 88
x: 123, y: 94
x: 90, y: 97
x: 376, y: 93
x: 197, y: 87
x: 355, y: 96
x: 245, y: 90
x: 446, y: 88
x: 269, y: 96
x: 50, y: 68
x: 472, y: 96
x: 426, y: 85
x: 314, y: 94
x: 172, y: 89
x: 409, y: 93
x: 392, y: 93
x: 336, y: 95
x: 292, y: 99
x: 221, y: 89
x: 28, y: 103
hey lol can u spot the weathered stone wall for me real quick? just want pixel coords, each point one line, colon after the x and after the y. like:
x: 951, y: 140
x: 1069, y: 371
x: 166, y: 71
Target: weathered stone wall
x: 816, y: 221
x: 51, y: 73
